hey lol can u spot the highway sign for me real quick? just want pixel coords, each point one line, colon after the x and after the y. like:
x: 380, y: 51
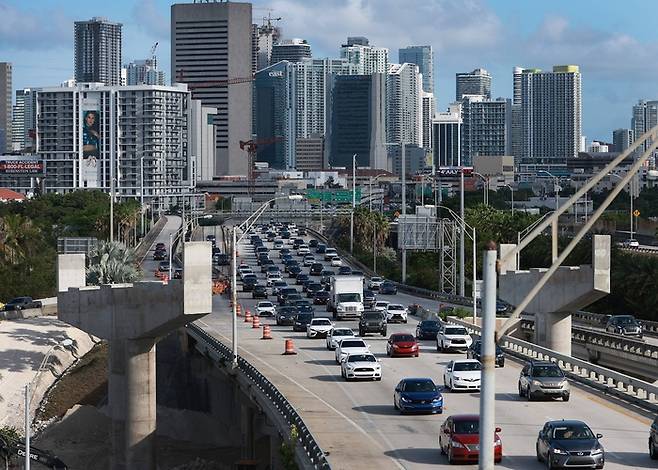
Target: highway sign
x: 338, y: 196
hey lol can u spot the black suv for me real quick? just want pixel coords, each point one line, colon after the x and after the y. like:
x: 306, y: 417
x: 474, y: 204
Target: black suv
x: 302, y: 320
x: 259, y: 291
x: 625, y: 325
x: 475, y: 352
x: 372, y: 322
x: 316, y: 269
x: 369, y: 299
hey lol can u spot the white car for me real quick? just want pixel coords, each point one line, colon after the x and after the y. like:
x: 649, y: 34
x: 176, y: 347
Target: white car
x: 361, y: 366
x: 319, y: 327
x: 330, y: 253
x: 278, y: 244
x: 452, y: 337
x: 381, y: 305
x: 336, y: 335
x: 375, y: 283
x: 272, y: 278
x: 396, y: 313
x: 245, y: 272
x: 264, y: 308
x: 463, y: 374
x: 350, y: 346
x: 303, y: 250
x: 336, y: 261
x: 309, y: 260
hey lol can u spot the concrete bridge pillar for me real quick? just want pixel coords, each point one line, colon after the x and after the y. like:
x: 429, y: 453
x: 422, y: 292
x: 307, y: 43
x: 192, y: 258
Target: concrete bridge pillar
x: 553, y: 331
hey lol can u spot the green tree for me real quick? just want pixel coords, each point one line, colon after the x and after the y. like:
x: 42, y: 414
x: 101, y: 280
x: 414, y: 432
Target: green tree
x: 111, y: 263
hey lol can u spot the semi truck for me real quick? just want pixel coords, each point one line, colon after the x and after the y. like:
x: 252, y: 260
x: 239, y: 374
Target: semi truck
x: 346, y: 297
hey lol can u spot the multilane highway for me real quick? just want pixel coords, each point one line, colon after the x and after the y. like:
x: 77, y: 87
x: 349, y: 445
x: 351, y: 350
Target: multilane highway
x: 356, y: 425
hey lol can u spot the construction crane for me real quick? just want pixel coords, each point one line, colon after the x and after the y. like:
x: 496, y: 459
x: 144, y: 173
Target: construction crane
x: 180, y: 77
x: 251, y: 146
x: 152, y: 54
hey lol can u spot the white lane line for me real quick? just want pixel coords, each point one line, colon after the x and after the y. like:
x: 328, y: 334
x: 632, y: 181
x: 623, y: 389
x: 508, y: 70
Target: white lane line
x: 314, y: 395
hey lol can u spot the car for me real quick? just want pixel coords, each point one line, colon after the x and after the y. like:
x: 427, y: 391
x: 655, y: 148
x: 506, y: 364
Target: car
x: 265, y: 308
x: 301, y: 232
x: 417, y: 395
x: 475, y: 352
x: 159, y: 255
x: 388, y: 288
x: 312, y: 288
x: 427, y: 329
x: 277, y: 285
x: 297, y: 242
x: 569, y: 443
x: 543, y: 379
x: 360, y: 366
x: 459, y: 439
x: 402, y: 344
x: 294, y: 271
x: 321, y: 248
x: 502, y: 307
x: 312, y: 243
x: 369, y: 299
x: 462, y: 374
x: 653, y: 440
x: 259, y: 291
x: 302, y: 320
x: 316, y: 269
x: 249, y: 282
x: 303, y: 250
x: 319, y: 327
x: 375, y: 282
x: 178, y: 273
x: 284, y: 252
x: 372, y: 322
x: 285, y: 315
x: 160, y: 246
x: 21, y: 303
x: 396, y: 313
x: 163, y: 267
x: 211, y: 238
x: 336, y: 335
x: 304, y: 308
x: 309, y: 260
x: 381, y: 305
x: 630, y: 243
x: 285, y: 292
x: 336, y: 261
x: 321, y: 297
x: 451, y: 337
x: 326, y: 276
x: 344, y: 271
x: 301, y: 278
x: 278, y: 244
x: 350, y: 346
x: 272, y: 278
x: 266, y: 264
x: 291, y: 299
x: 330, y: 253
x: 625, y: 325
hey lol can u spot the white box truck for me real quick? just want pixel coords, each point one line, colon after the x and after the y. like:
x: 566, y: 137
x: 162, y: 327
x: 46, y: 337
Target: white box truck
x: 346, y: 297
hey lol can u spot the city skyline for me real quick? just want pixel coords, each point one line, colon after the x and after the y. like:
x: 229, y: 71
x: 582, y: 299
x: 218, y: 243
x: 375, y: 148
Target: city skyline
x: 494, y: 34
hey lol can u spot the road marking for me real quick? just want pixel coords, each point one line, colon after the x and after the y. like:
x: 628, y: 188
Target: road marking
x: 314, y: 395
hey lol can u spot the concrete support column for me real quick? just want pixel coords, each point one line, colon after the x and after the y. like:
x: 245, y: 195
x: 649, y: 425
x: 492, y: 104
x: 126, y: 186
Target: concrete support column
x: 247, y: 417
x: 133, y: 403
x: 553, y: 331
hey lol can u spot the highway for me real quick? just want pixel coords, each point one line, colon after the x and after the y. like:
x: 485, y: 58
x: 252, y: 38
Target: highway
x: 355, y: 422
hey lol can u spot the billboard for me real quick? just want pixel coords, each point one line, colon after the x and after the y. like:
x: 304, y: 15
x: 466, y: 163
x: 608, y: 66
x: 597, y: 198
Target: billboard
x: 337, y: 196
x: 453, y: 171
x: 21, y: 167
x: 91, y: 146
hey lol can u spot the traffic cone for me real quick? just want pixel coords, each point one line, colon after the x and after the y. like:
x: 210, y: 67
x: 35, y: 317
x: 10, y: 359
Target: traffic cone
x: 165, y: 279
x: 256, y: 322
x: 267, y: 332
x: 238, y: 310
x: 247, y: 316
x: 290, y: 348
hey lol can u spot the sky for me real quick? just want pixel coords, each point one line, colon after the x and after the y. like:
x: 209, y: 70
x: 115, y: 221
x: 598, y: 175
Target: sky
x: 615, y: 50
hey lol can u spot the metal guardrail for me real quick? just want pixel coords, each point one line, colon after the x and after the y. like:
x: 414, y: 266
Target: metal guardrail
x: 224, y: 354
x: 608, y: 381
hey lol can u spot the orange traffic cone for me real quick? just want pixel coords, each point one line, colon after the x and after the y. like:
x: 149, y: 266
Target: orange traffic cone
x: 247, y: 316
x: 256, y: 322
x: 165, y: 279
x: 290, y: 348
x: 238, y: 310
x: 267, y: 332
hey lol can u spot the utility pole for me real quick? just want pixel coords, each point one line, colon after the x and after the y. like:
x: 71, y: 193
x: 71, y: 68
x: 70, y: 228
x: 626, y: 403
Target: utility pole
x: 462, y: 274
x: 353, y: 203
x: 234, y: 297
x: 488, y: 392
x: 404, y: 209
x: 27, y: 427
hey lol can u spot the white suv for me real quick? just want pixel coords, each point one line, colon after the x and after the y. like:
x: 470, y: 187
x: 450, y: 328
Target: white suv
x: 319, y: 327
x: 452, y: 337
x: 396, y: 313
x: 350, y: 346
x: 381, y: 305
x: 303, y: 250
x: 375, y: 283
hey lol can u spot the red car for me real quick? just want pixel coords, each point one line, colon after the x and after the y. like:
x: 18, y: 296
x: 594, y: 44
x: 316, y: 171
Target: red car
x: 402, y: 344
x: 459, y: 438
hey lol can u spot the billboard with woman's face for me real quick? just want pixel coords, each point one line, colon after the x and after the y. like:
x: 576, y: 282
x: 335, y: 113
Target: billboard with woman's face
x: 91, y: 147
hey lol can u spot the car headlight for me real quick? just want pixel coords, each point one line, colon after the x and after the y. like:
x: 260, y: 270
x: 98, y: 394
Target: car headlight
x: 564, y: 383
x: 350, y: 366
x: 457, y: 444
x: 560, y: 451
x: 340, y: 308
x: 406, y: 400
x: 536, y: 383
x: 437, y: 400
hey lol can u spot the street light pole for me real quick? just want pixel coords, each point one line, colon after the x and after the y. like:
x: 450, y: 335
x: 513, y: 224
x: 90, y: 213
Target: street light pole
x: 27, y: 427
x: 171, y: 247
x: 234, y: 298
x: 141, y: 202
x: 462, y: 285
x: 353, y: 203
x: 511, y: 191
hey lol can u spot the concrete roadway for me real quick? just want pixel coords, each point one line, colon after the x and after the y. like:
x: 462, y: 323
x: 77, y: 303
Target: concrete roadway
x: 355, y: 422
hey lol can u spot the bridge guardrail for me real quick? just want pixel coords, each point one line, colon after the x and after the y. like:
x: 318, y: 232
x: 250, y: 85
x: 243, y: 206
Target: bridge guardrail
x: 221, y: 352
x: 600, y: 319
x: 608, y: 381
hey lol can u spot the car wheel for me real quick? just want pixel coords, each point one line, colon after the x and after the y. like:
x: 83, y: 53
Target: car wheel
x: 520, y: 391
x: 438, y: 349
x: 451, y: 459
x: 528, y: 394
x: 539, y: 459
x: 565, y: 397
x: 405, y: 320
x: 384, y: 332
x: 395, y: 405
x: 549, y: 464
x: 653, y: 452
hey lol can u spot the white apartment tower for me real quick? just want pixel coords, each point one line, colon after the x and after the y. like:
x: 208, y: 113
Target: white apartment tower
x: 367, y: 59
x: 404, y: 111
x: 429, y: 106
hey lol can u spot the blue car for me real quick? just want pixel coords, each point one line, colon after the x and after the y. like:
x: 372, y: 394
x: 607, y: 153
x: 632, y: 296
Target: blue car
x: 419, y: 395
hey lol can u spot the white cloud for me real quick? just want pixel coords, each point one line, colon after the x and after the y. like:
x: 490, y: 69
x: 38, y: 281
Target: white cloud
x: 25, y: 29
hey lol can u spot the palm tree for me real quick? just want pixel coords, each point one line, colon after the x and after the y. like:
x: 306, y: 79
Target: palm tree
x: 16, y: 233
x: 111, y: 263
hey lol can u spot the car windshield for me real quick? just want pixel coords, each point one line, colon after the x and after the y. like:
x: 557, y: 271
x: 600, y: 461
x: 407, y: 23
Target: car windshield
x: 381, y: 304
x: 372, y: 316
x: 376, y: 279
x: 265, y: 304
x: 395, y: 307
x: 304, y: 317
x: 420, y: 386
x: 403, y: 338
x: 572, y: 432
x: 467, y: 427
x: 625, y: 320
x: 352, y: 344
x: 343, y: 332
x: 467, y: 366
x: 547, y: 371
x: 349, y: 297
x: 454, y: 330
x: 322, y: 321
x: 429, y: 324
x: 361, y: 358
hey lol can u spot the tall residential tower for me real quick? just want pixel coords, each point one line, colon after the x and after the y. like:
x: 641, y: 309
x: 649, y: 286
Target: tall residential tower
x: 423, y: 57
x: 97, y: 54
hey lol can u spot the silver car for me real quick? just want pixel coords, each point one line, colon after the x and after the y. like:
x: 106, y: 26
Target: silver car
x: 543, y: 379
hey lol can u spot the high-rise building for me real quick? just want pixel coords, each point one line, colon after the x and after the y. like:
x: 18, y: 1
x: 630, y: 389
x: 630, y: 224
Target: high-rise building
x: 292, y: 50
x: 446, y: 137
x: 5, y: 106
x: 264, y: 38
x: 622, y: 139
x: 309, y: 155
x: 358, y: 121
x: 275, y: 116
x: 84, y: 140
x: 24, y: 121
x: 477, y: 82
x: 423, y: 57
x: 367, y: 59
x: 428, y: 106
x: 144, y: 72
x: 211, y: 51
x: 97, y: 54
x: 404, y: 112
x: 645, y: 117
x: 551, y: 115
x: 485, y: 127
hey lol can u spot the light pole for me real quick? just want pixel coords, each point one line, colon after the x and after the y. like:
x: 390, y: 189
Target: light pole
x: 556, y: 187
x: 28, y: 397
x: 511, y: 191
x: 141, y: 193
x: 353, y: 203
x: 462, y: 286
x: 485, y: 188
x: 244, y: 227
